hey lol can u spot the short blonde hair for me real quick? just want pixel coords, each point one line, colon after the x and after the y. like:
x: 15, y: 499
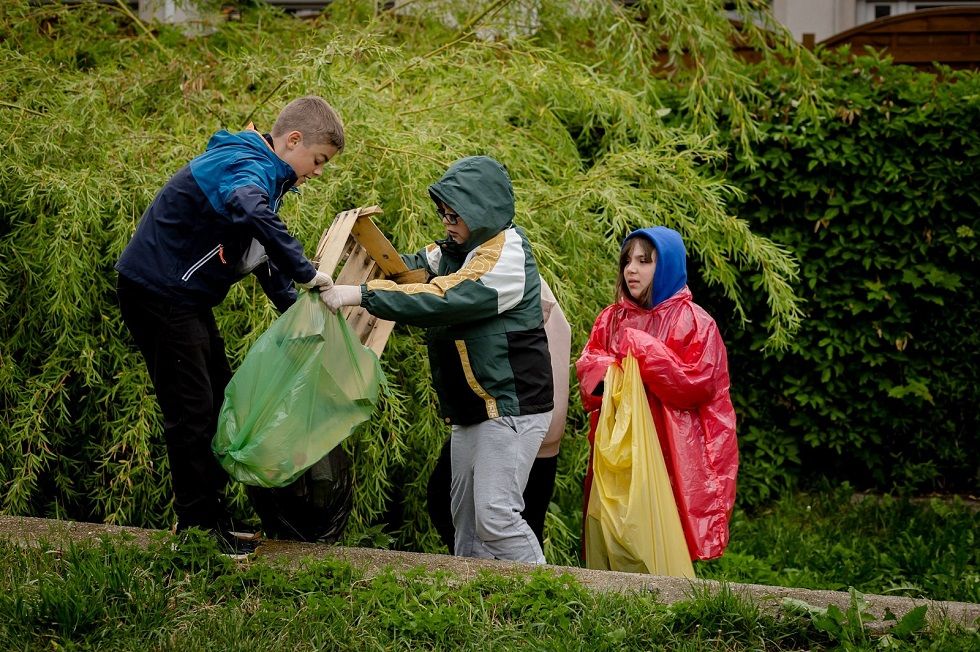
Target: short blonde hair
x: 314, y: 118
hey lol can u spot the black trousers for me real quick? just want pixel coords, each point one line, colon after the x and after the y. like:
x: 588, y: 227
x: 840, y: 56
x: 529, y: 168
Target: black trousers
x: 185, y: 356
x: 537, y: 496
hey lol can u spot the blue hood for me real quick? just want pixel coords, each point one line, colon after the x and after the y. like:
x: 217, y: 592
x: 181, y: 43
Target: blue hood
x: 670, y: 276
x: 240, y: 159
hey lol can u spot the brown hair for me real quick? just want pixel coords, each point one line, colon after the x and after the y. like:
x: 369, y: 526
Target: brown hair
x: 314, y: 118
x: 622, y: 290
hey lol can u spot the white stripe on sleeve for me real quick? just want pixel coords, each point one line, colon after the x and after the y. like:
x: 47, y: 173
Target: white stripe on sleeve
x: 507, y: 276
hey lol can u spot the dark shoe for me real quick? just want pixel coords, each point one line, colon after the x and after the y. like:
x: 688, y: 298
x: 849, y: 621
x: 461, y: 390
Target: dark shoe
x: 245, y: 534
x: 240, y: 529
x: 233, y: 546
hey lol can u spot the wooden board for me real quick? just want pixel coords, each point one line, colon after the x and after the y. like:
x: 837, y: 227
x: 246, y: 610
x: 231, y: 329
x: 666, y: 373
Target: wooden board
x: 354, y: 243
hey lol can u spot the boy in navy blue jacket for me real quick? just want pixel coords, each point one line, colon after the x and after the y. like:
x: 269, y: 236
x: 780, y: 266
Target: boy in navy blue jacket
x: 211, y: 225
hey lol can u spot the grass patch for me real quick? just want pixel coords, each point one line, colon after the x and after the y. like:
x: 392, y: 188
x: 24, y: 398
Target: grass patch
x: 837, y: 539
x: 112, y: 595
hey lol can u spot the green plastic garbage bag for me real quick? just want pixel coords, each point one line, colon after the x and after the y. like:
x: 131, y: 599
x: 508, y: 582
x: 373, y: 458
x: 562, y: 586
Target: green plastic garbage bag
x: 301, y: 390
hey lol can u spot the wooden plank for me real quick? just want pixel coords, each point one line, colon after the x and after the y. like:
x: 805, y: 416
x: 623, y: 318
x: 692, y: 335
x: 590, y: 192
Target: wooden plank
x: 378, y: 336
x: 371, y: 331
x: 369, y: 211
x: 356, y: 244
x: 359, y: 268
x: 927, y: 54
x: 369, y: 236
x: 916, y: 22
x: 331, y: 248
x: 410, y: 276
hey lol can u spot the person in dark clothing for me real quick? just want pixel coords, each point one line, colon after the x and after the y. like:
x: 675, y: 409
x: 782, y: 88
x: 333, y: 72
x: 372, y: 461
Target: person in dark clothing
x: 214, y: 222
x: 488, y: 352
x: 541, y: 481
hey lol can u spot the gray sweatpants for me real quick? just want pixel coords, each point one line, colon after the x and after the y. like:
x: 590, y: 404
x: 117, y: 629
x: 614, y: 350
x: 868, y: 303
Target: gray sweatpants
x: 491, y: 461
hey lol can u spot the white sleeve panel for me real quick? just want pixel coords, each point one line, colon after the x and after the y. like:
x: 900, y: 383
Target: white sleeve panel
x: 507, y: 276
x: 433, y: 254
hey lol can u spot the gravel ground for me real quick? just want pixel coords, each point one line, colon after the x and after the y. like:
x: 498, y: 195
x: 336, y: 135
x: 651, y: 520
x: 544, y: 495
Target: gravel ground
x: 30, y: 531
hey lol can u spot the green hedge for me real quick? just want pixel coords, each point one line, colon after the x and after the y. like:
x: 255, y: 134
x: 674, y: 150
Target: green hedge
x: 879, y: 198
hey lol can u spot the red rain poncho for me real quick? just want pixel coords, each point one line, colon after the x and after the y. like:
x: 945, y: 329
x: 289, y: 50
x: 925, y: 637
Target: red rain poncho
x: 684, y: 367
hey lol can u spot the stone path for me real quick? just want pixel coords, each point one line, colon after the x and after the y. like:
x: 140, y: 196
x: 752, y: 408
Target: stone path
x: 30, y: 531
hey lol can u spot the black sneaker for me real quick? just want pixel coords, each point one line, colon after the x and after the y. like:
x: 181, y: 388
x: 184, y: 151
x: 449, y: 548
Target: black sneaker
x: 246, y: 534
x: 240, y: 529
x: 234, y: 547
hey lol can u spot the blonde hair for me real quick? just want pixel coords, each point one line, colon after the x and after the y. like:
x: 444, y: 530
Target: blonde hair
x: 314, y: 118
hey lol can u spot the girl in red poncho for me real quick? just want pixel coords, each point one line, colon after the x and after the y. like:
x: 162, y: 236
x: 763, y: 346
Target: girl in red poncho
x: 684, y: 367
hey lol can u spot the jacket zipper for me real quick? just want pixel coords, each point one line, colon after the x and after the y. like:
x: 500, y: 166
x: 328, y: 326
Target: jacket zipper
x: 278, y: 200
x: 196, y: 266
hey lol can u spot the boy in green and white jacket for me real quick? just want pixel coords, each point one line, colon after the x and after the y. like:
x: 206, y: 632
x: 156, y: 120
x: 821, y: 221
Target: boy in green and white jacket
x: 487, y: 349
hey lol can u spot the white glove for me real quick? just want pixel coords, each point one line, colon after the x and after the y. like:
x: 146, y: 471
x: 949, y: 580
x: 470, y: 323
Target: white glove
x: 320, y: 280
x: 338, y: 296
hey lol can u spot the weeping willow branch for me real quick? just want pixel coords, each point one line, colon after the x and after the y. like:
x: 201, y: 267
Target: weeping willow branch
x: 11, y: 105
x: 262, y: 102
x: 465, y: 32
x: 407, y: 152
x: 444, y: 105
x: 139, y: 23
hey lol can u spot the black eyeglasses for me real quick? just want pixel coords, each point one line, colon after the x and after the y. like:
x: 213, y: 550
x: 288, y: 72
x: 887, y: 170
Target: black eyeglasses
x: 451, y: 218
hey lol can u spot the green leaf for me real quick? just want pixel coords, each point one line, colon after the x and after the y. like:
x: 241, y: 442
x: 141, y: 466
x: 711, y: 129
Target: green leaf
x: 912, y: 622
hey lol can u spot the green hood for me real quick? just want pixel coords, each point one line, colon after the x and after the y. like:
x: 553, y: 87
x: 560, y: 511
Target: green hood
x: 478, y: 188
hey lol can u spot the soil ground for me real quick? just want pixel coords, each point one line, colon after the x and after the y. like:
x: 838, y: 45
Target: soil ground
x: 31, y: 531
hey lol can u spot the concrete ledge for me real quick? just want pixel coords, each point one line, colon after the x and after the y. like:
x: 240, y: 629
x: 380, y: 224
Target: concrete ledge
x: 31, y: 531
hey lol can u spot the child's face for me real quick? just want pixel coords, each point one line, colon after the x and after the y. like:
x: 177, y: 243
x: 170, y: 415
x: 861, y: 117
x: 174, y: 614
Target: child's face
x: 639, y: 270
x: 307, y: 162
x: 459, y: 232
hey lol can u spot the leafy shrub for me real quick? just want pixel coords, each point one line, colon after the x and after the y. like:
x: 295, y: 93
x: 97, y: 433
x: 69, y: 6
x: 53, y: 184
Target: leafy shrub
x: 877, y: 196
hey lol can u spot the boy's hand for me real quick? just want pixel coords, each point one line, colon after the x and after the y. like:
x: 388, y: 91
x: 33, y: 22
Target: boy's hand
x: 320, y: 280
x: 338, y: 296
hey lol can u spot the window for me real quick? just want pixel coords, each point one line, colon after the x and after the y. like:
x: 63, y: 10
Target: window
x: 868, y: 10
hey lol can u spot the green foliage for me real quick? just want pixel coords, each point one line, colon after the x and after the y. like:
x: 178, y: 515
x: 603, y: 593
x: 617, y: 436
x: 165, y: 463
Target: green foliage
x: 877, y: 196
x: 99, y: 111
x: 835, y: 539
x: 848, y: 628
x: 113, y: 595
x: 843, y: 627
x: 101, y: 592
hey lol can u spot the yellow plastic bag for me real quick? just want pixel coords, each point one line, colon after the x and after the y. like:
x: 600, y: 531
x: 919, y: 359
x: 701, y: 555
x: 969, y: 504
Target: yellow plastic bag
x: 632, y: 522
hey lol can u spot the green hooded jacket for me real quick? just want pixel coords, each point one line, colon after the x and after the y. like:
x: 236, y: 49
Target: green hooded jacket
x: 481, y: 307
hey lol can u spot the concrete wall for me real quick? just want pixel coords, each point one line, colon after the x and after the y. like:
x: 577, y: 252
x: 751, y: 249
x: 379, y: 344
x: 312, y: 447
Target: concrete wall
x: 822, y: 18
x: 192, y: 21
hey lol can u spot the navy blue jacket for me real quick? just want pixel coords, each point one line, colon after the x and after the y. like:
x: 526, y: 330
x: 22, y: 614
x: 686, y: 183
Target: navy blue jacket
x: 214, y: 222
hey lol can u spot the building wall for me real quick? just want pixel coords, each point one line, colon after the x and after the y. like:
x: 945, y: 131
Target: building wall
x: 822, y: 18
x: 825, y: 18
